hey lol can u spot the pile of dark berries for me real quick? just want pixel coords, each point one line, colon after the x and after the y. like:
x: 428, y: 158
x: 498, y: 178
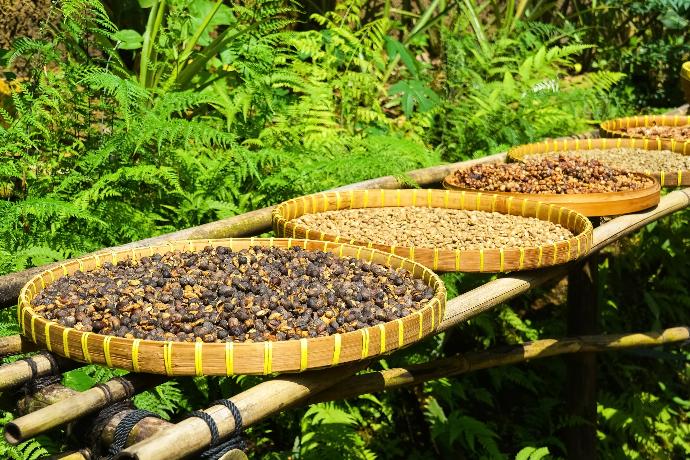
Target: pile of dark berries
x: 218, y: 295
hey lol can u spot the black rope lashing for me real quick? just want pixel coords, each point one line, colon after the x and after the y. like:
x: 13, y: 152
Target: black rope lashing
x: 36, y: 382
x: 128, y: 386
x: 95, y: 425
x: 32, y: 366
x: 106, y: 391
x: 124, y: 429
x: 216, y: 449
x: 213, y: 428
x: 34, y: 386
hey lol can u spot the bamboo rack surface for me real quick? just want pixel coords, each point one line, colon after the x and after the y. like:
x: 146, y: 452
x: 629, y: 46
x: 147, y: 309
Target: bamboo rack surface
x: 475, y: 260
x: 183, y: 358
x: 665, y: 178
x: 615, y: 127
x: 184, y: 440
x: 589, y: 204
x: 247, y: 224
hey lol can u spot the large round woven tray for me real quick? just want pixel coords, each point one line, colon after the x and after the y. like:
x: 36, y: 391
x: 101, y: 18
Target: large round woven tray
x: 478, y: 260
x: 183, y: 358
x: 588, y: 204
x: 616, y: 127
x: 666, y: 178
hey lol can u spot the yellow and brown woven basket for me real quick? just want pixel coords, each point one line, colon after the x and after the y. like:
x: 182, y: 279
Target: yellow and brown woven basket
x: 665, y: 178
x: 480, y: 260
x: 183, y: 358
x: 618, y: 126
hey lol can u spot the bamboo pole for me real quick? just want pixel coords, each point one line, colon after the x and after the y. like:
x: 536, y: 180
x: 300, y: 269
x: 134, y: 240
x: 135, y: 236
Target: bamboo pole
x: 458, y: 310
x: 78, y: 405
x: 15, y: 344
x: 415, y: 374
x: 19, y: 372
x: 192, y: 435
x: 247, y: 224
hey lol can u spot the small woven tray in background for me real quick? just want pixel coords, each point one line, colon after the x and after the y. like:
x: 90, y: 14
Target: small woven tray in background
x: 665, y: 178
x: 477, y: 260
x: 199, y: 358
x: 617, y: 127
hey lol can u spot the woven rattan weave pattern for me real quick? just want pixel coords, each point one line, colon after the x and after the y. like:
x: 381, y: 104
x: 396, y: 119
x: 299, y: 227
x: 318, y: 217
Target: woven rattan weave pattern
x: 479, y: 260
x: 183, y: 358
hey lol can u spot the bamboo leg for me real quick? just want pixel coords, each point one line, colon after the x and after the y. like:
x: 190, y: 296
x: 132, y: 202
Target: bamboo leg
x: 77, y: 406
x: 581, y: 375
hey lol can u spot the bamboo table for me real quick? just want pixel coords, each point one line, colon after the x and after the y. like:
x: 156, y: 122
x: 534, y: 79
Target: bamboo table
x: 272, y: 396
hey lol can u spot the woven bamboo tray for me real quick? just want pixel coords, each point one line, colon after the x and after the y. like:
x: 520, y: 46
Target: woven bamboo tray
x: 184, y: 358
x: 614, y: 128
x: 665, y: 178
x: 588, y: 204
x: 479, y: 260
x: 685, y: 80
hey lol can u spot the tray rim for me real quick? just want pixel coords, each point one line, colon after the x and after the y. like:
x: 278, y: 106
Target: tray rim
x: 485, y: 260
x: 90, y: 347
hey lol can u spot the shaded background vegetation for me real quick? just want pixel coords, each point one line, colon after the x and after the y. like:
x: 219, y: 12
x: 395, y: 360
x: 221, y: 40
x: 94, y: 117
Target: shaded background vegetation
x: 115, y: 127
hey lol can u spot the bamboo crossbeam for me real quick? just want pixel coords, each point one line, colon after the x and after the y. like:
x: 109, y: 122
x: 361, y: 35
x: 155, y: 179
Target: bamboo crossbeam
x: 255, y: 404
x: 458, y: 310
x: 19, y: 372
x: 77, y: 406
x: 15, y: 344
x: 247, y: 224
x: 469, y: 362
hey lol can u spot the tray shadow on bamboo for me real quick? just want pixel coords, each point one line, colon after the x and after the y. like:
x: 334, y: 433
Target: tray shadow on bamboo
x: 479, y: 260
x: 184, y: 358
x: 665, y: 178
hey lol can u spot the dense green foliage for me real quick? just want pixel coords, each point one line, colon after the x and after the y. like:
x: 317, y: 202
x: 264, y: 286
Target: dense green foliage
x: 135, y: 121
